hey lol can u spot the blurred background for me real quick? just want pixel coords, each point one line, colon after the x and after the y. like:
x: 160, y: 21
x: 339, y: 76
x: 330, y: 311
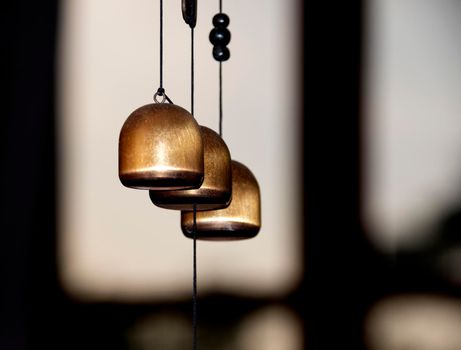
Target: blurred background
x: 109, y: 66
x: 346, y: 113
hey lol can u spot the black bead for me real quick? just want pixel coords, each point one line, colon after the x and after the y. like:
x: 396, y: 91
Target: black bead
x: 220, y: 36
x: 189, y: 12
x: 221, y: 20
x: 221, y: 53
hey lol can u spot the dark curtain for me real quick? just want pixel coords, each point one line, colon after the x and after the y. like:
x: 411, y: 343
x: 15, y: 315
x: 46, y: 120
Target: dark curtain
x: 28, y: 300
x: 343, y: 273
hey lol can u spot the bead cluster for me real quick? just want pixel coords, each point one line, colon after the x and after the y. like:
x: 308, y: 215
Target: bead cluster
x: 220, y: 36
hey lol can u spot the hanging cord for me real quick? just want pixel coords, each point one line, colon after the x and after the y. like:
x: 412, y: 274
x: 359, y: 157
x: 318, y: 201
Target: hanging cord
x: 194, y: 277
x: 220, y: 99
x: 161, y: 91
x: 189, y: 12
x: 220, y: 87
x: 161, y: 44
x: 192, y: 71
x: 194, y: 285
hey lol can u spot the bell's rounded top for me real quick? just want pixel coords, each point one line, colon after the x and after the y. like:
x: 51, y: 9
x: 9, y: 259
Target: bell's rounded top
x: 241, y: 219
x: 213, y: 142
x: 160, y: 147
x: 218, y: 163
x: 216, y: 189
x: 245, y: 178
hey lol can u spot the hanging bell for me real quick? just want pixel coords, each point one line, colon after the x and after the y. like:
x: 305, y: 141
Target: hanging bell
x: 216, y: 189
x: 239, y: 220
x: 160, y: 147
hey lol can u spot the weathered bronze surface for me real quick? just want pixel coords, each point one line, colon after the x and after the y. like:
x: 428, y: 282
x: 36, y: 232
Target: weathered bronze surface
x: 240, y: 220
x: 160, y: 147
x: 216, y: 189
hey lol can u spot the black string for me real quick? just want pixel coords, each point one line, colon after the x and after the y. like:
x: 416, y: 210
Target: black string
x: 220, y: 99
x: 194, y: 284
x: 220, y: 85
x: 161, y: 46
x: 192, y: 71
x: 161, y: 90
x: 194, y: 279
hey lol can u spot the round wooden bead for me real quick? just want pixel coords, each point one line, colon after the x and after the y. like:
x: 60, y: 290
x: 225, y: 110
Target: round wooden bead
x: 221, y: 20
x: 221, y: 53
x: 220, y: 36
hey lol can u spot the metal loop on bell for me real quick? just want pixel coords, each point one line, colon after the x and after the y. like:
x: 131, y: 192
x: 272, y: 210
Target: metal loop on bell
x: 163, y: 97
x: 216, y: 189
x: 241, y: 219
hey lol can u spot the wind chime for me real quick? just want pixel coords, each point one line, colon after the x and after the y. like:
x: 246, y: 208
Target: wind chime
x: 188, y: 167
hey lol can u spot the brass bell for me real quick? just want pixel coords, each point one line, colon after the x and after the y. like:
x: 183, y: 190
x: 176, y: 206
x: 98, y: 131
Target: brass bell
x: 240, y: 220
x: 216, y: 189
x: 160, y: 147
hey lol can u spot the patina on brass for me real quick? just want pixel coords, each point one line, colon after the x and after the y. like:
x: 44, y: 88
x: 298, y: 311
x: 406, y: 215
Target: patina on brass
x: 216, y: 189
x: 240, y: 220
x: 160, y: 147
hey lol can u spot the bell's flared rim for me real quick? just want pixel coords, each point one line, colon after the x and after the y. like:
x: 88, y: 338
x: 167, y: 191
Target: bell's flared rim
x: 233, y: 230
x: 165, y: 180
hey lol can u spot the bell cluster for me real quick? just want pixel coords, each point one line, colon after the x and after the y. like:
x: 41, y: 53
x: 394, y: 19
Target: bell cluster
x: 162, y: 149
x: 188, y: 167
